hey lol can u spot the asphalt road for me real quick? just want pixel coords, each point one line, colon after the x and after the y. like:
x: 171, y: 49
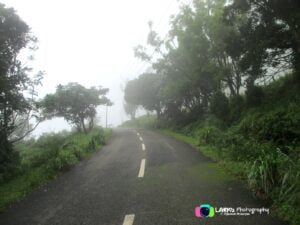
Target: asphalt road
x: 145, y: 179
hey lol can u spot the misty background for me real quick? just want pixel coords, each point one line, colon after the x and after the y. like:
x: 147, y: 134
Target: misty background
x: 91, y: 42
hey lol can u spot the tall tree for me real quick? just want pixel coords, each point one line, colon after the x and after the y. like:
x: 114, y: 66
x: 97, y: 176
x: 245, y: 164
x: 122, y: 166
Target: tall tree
x: 15, y: 103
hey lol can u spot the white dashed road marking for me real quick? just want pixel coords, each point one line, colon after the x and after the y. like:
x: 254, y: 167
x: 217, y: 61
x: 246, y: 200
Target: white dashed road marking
x: 141, y: 139
x: 170, y: 146
x: 128, y: 220
x: 142, y: 168
x: 143, y: 147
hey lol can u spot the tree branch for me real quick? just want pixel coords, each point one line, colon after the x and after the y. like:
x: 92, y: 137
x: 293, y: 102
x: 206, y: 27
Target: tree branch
x: 27, y: 133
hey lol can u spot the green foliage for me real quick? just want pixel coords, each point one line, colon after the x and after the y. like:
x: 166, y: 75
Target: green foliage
x: 222, y: 86
x: 283, y: 91
x: 75, y: 104
x: 46, y: 157
x: 261, y: 144
x: 277, y: 175
x: 18, y: 187
x: 15, y: 85
x: 212, y: 52
x: 280, y: 126
x: 209, y: 135
x: 237, y: 107
x: 220, y: 106
x: 144, y: 91
x: 61, y: 150
x: 269, y: 172
x: 188, y: 139
x: 275, y: 24
x: 63, y: 160
x: 8, y: 160
x: 254, y: 96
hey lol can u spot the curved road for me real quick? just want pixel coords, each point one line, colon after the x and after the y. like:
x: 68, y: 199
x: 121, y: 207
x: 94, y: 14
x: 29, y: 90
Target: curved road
x: 141, y: 178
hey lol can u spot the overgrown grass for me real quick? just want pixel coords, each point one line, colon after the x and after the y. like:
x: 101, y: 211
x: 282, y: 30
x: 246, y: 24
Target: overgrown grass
x: 236, y: 169
x: 271, y: 169
x: 45, y: 158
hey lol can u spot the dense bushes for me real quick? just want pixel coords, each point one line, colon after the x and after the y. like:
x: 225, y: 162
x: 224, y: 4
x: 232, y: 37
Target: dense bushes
x: 8, y: 159
x: 267, y: 145
x: 220, y: 106
x: 277, y: 176
x: 264, y: 138
x: 280, y: 126
x: 59, y: 151
x: 255, y: 135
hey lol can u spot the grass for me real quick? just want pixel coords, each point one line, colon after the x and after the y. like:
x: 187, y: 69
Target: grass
x: 46, y: 158
x: 236, y: 169
x: 273, y: 175
x: 17, y: 188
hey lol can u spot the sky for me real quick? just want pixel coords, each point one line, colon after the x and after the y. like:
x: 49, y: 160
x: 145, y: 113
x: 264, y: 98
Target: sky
x: 91, y: 42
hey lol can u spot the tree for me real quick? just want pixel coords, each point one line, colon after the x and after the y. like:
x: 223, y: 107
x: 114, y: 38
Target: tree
x: 145, y: 91
x: 130, y: 109
x: 17, y: 89
x: 76, y: 104
x: 271, y: 34
x: 215, y: 51
x: 220, y: 107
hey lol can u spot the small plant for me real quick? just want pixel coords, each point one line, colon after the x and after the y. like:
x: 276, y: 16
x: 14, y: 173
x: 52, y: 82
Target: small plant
x: 264, y: 173
x: 276, y: 175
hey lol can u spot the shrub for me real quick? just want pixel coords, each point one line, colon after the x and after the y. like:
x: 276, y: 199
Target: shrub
x: 254, y: 96
x: 277, y: 176
x: 79, y: 153
x: 9, y: 160
x: 280, y: 126
x: 220, y: 106
x: 210, y: 135
x: 98, y: 137
x: 64, y: 160
x: 237, y: 107
x: 263, y: 174
x: 59, y: 151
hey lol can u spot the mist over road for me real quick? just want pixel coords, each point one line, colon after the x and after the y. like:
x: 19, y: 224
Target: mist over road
x: 142, y: 178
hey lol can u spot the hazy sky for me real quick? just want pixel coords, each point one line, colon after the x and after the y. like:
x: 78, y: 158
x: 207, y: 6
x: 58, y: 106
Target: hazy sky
x: 91, y: 42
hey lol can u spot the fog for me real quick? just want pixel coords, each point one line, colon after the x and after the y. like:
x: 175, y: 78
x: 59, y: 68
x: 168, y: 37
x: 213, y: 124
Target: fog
x: 91, y: 42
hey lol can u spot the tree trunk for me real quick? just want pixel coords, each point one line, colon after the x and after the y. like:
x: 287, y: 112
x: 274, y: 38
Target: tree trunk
x: 91, y: 123
x: 158, y: 113
x: 83, y: 125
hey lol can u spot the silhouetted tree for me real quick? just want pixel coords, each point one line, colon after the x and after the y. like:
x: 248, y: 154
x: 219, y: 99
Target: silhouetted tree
x: 76, y: 104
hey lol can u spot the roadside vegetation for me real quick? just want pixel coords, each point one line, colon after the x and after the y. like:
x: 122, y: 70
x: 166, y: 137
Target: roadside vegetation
x: 261, y: 148
x: 45, y: 158
x: 28, y: 163
x: 146, y: 121
x: 226, y: 79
